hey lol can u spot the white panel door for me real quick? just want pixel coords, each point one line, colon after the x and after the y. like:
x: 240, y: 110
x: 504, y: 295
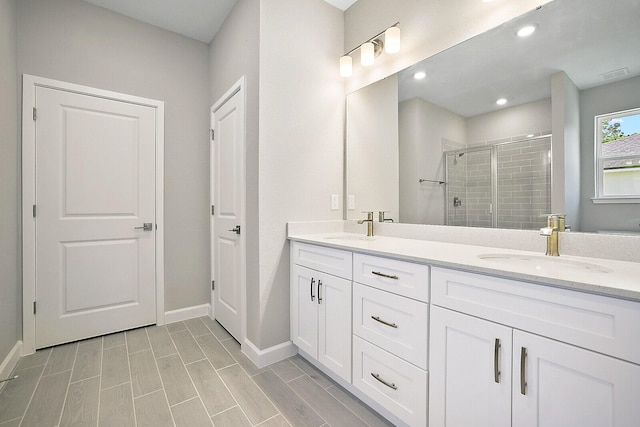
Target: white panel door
x: 228, y: 182
x: 571, y: 386
x: 95, y: 183
x: 470, y: 371
x: 334, y: 324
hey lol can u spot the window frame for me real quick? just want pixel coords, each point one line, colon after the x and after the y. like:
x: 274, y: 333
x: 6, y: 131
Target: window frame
x: 599, y: 197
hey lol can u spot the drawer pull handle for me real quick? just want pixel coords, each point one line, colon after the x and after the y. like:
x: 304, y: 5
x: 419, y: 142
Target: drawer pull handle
x: 523, y: 376
x: 496, y: 361
x: 390, y: 385
x: 319, y: 289
x: 377, y: 319
x: 311, y: 288
x: 388, y: 276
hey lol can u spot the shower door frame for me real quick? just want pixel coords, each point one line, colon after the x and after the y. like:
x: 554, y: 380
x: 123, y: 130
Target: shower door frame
x: 493, y: 150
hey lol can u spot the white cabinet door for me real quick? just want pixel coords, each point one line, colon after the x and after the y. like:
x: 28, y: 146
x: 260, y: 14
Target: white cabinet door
x: 470, y: 371
x: 334, y: 318
x: 304, y: 309
x: 570, y: 386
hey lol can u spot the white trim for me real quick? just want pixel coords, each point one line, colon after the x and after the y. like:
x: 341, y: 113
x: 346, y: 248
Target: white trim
x: 187, y: 313
x: 29, y: 84
x: 10, y: 362
x: 604, y: 200
x: 239, y: 86
x: 262, y: 358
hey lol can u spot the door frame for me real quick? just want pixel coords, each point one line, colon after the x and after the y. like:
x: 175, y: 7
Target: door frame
x: 239, y: 87
x: 29, y: 85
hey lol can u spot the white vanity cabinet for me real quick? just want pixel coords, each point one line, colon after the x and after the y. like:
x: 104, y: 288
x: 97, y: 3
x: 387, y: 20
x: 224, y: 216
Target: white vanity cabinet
x: 504, y: 352
x: 321, y: 305
x: 390, y: 330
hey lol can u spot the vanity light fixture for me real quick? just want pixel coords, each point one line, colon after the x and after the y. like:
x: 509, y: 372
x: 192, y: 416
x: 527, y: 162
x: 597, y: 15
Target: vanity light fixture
x: 526, y: 31
x: 501, y: 101
x: 370, y: 49
x: 420, y: 75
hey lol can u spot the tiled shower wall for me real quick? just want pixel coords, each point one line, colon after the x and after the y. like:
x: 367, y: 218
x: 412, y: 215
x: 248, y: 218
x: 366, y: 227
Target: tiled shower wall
x: 523, y: 185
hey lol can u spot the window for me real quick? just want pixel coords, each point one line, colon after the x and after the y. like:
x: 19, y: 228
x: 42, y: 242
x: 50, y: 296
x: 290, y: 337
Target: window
x: 617, y: 139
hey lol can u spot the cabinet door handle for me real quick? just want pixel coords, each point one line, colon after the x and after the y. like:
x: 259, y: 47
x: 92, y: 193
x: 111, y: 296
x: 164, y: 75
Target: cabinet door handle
x: 388, y: 276
x: 311, y: 288
x: 496, y: 361
x: 377, y: 319
x: 523, y: 375
x: 388, y: 384
x: 319, y: 289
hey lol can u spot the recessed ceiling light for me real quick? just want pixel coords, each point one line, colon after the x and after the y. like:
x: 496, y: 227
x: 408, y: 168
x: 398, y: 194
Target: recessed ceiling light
x: 420, y: 75
x: 526, y: 31
x: 501, y: 101
x: 530, y: 135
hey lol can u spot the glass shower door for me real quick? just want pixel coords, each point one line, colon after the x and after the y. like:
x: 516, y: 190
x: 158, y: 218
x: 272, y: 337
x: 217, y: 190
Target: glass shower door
x: 469, y: 194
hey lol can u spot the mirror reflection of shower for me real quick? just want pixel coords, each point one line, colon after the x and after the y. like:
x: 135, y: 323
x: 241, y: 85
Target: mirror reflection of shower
x: 506, y: 185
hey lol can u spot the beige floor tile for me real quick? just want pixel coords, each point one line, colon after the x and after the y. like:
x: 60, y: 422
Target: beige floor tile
x: 175, y: 327
x: 61, y: 359
x: 286, y: 370
x: 144, y: 373
x: 152, y: 410
x: 313, y: 372
x: 113, y: 340
x: 188, y: 349
x: 16, y: 394
x: 296, y: 410
x: 177, y: 383
x: 233, y: 347
x: 81, y: 406
x: 196, y: 327
x: 46, y: 405
x: 88, y: 361
x: 161, y: 342
x: 137, y: 340
x: 368, y: 415
x: 216, y: 328
x: 215, y: 351
x: 252, y: 400
x: 234, y: 417
x: 115, y: 367
x: 191, y: 414
x: 39, y: 358
x: 210, y: 387
x: 116, y: 407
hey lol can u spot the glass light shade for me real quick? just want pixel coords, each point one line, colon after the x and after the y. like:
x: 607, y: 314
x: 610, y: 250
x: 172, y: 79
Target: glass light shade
x: 392, y: 40
x: 346, y: 66
x: 367, y: 54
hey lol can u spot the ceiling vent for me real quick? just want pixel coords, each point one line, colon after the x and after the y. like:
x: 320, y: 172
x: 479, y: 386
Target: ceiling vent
x: 615, y: 74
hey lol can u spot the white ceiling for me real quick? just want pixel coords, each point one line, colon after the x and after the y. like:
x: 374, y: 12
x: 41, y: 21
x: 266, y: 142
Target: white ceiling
x: 583, y: 38
x: 197, y: 19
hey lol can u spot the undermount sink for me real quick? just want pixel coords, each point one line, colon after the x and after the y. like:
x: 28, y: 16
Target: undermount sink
x: 543, y: 262
x: 349, y: 237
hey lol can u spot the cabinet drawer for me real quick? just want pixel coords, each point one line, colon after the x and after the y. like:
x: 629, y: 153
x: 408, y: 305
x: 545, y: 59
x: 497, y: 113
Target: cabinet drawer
x: 397, y: 324
x: 328, y: 260
x: 400, y: 277
x: 405, y: 391
x: 604, y: 324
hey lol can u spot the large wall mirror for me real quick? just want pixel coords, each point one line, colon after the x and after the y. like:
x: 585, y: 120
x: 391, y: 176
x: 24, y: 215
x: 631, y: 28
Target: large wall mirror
x: 431, y: 145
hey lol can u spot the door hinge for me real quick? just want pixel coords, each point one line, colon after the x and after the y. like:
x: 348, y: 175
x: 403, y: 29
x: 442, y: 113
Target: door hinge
x: 34, y: 211
x: 34, y: 307
x: 212, y: 134
x: 213, y: 285
x: 213, y: 210
x: 35, y: 113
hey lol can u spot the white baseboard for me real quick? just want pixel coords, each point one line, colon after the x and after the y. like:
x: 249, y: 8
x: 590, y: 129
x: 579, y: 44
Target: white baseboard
x: 187, y: 313
x: 262, y: 358
x: 10, y: 362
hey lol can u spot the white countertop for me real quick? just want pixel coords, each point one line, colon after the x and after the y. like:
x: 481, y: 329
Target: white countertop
x: 620, y: 279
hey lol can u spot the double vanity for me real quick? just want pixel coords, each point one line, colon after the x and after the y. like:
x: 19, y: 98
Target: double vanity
x: 448, y: 334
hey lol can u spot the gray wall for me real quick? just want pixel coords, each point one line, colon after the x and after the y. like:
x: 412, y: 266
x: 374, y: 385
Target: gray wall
x: 608, y: 98
x: 74, y: 41
x: 10, y: 291
x: 234, y: 52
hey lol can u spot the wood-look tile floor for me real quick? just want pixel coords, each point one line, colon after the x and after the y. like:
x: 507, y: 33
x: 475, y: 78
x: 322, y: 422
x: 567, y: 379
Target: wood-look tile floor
x: 189, y: 373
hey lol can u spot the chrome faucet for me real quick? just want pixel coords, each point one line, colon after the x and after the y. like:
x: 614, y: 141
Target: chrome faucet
x: 555, y: 224
x: 381, y: 217
x: 369, y: 222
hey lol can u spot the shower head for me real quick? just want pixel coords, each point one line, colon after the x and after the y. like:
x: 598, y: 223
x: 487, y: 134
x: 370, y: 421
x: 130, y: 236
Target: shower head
x: 460, y: 154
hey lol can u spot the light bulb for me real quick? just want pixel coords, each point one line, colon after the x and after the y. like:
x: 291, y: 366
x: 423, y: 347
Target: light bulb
x: 420, y: 75
x: 346, y: 66
x: 526, y: 31
x: 367, y: 54
x: 501, y: 101
x: 392, y: 40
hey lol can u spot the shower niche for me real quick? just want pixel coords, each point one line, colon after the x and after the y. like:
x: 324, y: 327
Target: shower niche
x: 503, y: 185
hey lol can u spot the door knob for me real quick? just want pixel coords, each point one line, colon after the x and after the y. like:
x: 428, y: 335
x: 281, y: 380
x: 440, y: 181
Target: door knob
x: 236, y: 229
x: 147, y: 226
